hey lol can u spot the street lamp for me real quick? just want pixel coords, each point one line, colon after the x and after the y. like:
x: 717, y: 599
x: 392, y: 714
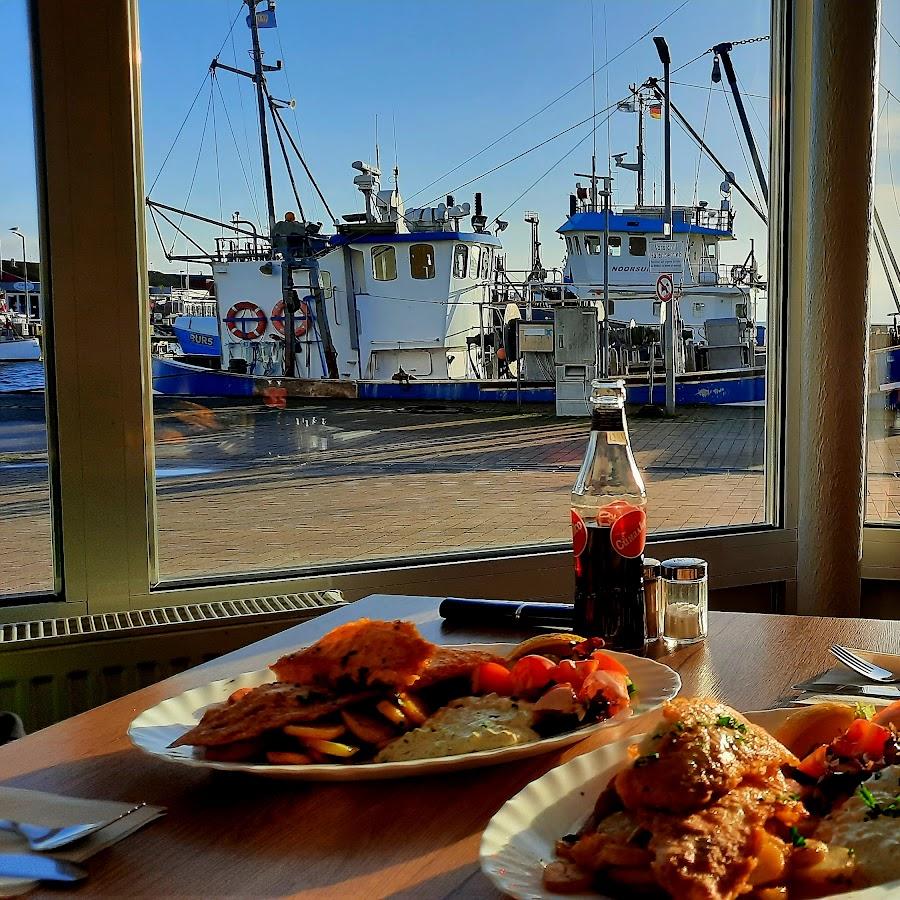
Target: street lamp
x: 662, y: 48
x: 15, y: 231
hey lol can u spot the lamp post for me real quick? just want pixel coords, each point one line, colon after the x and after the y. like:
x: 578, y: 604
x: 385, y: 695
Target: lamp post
x: 662, y: 48
x: 15, y: 231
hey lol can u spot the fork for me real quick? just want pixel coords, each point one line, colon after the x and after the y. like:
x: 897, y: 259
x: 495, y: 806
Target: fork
x: 40, y: 837
x: 863, y: 666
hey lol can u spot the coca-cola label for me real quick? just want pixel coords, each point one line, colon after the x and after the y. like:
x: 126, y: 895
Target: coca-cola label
x: 628, y: 533
x: 579, y: 534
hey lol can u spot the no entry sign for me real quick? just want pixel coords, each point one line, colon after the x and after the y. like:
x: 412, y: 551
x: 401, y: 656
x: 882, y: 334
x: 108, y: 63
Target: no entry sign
x: 665, y: 288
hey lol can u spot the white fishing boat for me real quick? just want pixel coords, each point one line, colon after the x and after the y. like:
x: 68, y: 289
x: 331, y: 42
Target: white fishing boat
x: 16, y: 345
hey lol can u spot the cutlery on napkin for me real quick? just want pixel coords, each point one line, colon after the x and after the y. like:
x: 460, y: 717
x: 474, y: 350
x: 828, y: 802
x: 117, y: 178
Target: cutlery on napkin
x: 53, y: 810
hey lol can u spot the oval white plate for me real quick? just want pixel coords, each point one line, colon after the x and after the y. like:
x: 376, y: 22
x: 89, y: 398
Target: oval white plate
x: 156, y: 728
x: 521, y: 837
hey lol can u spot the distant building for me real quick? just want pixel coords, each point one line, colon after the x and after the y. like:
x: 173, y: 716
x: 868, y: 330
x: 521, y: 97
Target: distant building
x: 19, y: 292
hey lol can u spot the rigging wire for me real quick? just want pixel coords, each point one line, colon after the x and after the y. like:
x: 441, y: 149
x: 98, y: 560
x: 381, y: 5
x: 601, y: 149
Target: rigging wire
x: 218, y: 167
x: 887, y: 136
x: 255, y: 190
x: 240, y: 156
x: 890, y: 35
x: 699, y: 148
x: 740, y: 143
x: 196, y: 164
x: 608, y: 118
x: 756, y: 115
x: 593, y: 91
x: 704, y: 87
x: 547, y: 106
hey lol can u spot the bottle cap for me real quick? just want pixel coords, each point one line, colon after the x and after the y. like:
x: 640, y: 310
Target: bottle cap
x: 651, y: 567
x: 684, y: 568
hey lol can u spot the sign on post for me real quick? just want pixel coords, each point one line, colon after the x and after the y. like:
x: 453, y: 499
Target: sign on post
x: 667, y: 256
x: 665, y: 287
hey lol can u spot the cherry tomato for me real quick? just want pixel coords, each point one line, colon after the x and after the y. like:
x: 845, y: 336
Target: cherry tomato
x: 572, y: 672
x: 815, y: 764
x: 530, y: 674
x: 862, y: 737
x: 492, y: 678
x: 608, y: 663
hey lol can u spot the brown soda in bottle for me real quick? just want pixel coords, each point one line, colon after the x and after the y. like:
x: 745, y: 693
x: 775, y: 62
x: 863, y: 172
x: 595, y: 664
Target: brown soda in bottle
x: 609, y: 528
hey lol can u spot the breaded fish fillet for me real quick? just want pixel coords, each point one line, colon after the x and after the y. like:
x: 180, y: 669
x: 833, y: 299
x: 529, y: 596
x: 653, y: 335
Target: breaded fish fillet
x: 264, y: 708
x: 710, y: 854
x: 699, y: 751
x: 452, y: 662
x: 360, y: 653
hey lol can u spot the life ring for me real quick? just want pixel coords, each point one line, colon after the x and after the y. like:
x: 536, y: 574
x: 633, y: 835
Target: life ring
x: 238, y: 320
x: 301, y: 325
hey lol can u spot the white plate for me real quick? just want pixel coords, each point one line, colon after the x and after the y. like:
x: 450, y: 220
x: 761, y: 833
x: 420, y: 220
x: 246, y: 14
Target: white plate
x: 522, y: 835
x: 155, y: 729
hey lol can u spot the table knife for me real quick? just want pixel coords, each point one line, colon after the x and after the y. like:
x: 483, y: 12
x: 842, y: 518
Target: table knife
x: 882, y: 691
x: 38, y: 868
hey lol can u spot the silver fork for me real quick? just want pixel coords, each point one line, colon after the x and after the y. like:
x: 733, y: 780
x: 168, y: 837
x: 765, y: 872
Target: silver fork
x: 863, y: 666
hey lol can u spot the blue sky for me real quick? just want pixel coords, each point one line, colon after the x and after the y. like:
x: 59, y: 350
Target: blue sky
x: 451, y: 78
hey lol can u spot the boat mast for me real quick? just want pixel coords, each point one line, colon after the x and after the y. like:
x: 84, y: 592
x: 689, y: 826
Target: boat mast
x: 640, y: 146
x: 259, y: 79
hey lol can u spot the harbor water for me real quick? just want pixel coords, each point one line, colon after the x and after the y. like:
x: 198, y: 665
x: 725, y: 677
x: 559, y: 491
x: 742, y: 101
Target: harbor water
x: 21, y: 376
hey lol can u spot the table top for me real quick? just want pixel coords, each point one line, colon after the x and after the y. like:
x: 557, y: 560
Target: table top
x: 228, y: 835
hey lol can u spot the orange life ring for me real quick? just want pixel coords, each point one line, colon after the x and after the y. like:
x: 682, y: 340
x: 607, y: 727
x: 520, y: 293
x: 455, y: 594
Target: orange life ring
x: 238, y: 322
x: 301, y: 325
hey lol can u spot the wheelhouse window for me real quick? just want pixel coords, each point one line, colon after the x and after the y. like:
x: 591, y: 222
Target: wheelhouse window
x: 474, y: 261
x: 615, y: 245
x: 384, y: 263
x: 326, y: 284
x: 711, y: 251
x: 637, y: 246
x: 460, y: 260
x: 592, y: 244
x: 421, y: 261
x: 485, y: 263
x: 576, y: 245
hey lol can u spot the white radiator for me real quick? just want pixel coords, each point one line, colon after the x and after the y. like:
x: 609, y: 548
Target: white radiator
x: 55, y: 668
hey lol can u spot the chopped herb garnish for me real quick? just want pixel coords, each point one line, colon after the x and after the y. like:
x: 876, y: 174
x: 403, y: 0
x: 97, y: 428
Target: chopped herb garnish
x: 645, y: 760
x: 731, y: 722
x: 867, y: 797
x: 864, y: 710
x: 631, y: 688
x: 797, y: 839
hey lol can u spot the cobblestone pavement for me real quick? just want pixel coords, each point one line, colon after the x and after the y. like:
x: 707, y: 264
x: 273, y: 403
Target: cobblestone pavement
x: 248, y: 488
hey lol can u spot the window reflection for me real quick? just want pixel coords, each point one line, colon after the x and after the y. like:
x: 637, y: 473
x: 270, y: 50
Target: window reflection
x: 384, y: 263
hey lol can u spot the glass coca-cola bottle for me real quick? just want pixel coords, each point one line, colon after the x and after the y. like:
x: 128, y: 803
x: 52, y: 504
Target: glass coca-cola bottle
x: 609, y: 528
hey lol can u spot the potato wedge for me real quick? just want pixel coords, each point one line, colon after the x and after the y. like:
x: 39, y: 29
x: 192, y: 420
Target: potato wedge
x: 320, y: 732
x: 234, y: 752
x: 332, y: 748
x: 392, y: 713
x: 278, y: 758
x: 239, y: 694
x: 413, y: 709
x: 368, y: 729
x: 563, y: 877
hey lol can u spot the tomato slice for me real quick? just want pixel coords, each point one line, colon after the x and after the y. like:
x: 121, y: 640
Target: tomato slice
x: 816, y: 763
x: 530, y: 674
x: 862, y: 737
x: 492, y: 678
x: 608, y: 663
x: 573, y: 672
x: 890, y: 715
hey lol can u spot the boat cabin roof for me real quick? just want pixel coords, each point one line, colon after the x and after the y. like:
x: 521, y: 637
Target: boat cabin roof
x: 640, y: 223
x: 426, y: 237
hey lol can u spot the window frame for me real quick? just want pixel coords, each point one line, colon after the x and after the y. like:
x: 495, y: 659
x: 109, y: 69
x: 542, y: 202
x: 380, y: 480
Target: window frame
x: 101, y: 424
x: 632, y: 239
x: 593, y: 240
x: 474, y: 261
x: 457, y: 256
x: 433, y: 267
x: 382, y: 249
x: 610, y: 246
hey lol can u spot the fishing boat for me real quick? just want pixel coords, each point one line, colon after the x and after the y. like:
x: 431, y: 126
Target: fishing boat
x: 16, y: 344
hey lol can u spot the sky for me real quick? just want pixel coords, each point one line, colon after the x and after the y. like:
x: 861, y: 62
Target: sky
x: 446, y: 81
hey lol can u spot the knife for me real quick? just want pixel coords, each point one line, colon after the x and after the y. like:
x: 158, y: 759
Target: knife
x: 883, y: 691
x: 39, y: 868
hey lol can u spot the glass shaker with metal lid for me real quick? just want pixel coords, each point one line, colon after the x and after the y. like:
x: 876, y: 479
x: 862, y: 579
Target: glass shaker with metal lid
x: 684, y: 595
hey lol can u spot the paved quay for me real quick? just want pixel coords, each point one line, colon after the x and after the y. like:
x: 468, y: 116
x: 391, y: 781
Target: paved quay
x: 243, y: 488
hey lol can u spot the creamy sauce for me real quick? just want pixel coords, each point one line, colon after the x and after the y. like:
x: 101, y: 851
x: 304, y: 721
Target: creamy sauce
x: 875, y: 841
x: 464, y: 726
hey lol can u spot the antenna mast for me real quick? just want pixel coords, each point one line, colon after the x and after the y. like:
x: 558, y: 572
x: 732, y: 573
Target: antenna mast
x: 259, y: 79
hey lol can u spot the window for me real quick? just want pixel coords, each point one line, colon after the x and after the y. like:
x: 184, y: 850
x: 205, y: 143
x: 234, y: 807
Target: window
x: 421, y: 261
x: 460, y: 260
x: 326, y: 284
x: 576, y: 245
x: 657, y: 308
x: 615, y: 245
x: 384, y: 263
x: 485, y: 263
x: 637, y: 246
x: 740, y: 310
x: 592, y: 244
x: 711, y: 251
x: 698, y: 308
x: 26, y: 513
x: 474, y: 260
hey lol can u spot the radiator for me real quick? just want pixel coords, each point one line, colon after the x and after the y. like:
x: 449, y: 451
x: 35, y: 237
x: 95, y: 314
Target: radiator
x: 55, y: 668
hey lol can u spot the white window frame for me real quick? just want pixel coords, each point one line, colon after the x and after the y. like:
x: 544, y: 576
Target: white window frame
x: 382, y: 250
x: 433, y: 269
x: 101, y: 433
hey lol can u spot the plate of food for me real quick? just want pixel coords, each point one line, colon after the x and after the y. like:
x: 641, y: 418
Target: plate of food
x: 711, y: 804
x: 373, y: 700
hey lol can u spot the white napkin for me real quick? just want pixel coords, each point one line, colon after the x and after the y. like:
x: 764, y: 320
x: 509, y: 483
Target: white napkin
x: 55, y: 811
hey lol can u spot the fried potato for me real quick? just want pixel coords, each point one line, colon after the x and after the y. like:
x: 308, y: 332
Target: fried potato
x: 361, y: 653
x: 699, y: 751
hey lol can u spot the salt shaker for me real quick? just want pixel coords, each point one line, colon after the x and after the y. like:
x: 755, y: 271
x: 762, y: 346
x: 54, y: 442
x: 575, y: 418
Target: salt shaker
x: 684, y: 597
x: 653, y: 609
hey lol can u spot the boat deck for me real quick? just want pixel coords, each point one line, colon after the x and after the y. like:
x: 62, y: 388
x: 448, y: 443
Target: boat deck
x: 246, y: 487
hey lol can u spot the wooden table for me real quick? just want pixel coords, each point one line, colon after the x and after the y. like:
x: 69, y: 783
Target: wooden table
x: 230, y: 835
